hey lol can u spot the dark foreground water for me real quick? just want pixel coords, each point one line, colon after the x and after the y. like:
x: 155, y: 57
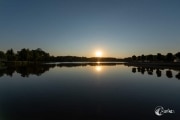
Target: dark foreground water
x: 89, y: 92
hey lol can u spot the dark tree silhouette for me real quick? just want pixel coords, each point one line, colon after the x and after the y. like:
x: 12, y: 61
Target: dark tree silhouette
x: 149, y: 57
x: 143, y: 58
x: 38, y: 55
x: 127, y: 59
x: 2, y: 56
x: 170, y: 57
x: 24, y: 55
x: 177, y: 55
x: 134, y: 57
x: 159, y: 57
x: 10, y: 55
x: 139, y: 58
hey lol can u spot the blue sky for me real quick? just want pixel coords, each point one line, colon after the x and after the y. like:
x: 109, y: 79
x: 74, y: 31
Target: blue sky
x: 120, y: 28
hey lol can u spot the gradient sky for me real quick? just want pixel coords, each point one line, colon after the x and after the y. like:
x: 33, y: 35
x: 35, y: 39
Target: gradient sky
x: 120, y: 28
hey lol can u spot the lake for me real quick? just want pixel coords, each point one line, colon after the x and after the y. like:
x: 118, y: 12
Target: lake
x: 88, y: 91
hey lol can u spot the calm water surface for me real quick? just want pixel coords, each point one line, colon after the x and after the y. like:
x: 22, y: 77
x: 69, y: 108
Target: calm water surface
x: 104, y: 92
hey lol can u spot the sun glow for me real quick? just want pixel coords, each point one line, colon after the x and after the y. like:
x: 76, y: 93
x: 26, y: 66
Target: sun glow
x: 98, y: 53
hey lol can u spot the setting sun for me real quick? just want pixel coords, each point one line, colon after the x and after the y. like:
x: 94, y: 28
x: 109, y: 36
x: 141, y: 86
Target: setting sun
x: 98, y: 54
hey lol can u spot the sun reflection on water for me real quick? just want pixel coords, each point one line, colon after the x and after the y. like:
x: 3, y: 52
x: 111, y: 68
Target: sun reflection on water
x: 98, y: 68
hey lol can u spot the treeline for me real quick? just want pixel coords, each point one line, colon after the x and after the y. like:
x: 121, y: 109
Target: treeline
x: 169, y: 57
x: 24, y: 55
x: 38, y: 55
x: 83, y: 59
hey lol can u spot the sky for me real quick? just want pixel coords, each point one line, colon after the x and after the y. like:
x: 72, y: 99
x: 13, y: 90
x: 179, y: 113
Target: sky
x: 118, y: 28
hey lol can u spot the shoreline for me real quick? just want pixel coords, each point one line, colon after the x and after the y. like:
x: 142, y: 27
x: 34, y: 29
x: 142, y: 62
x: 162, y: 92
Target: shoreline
x: 141, y: 64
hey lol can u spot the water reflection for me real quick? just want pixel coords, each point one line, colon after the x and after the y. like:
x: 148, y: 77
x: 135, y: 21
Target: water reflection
x: 113, y: 93
x: 178, y: 76
x: 98, y: 68
x: 158, y: 73
x: 169, y: 74
x: 77, y: 64
x: 134, y: 70
x: 39, y: 69
x: 26, y: 70
x: 150, y: 71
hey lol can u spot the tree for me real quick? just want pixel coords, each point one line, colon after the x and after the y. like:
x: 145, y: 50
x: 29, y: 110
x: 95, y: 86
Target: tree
x: 150, y: 57
x: 24, y: 55
x: 40, y: 55
x: 10, y: 55
x: 178, y: 55
x: 143, y: 58
x: 139, y: 58
x: 134, y: 57
x: 169, y: 57
x: 2, y: 55
x: 159, y: 57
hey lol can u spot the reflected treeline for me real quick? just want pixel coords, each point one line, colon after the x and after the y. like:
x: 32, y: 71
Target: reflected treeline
x: 178, y: 76
x: 151, y: 70
x: 26, y: 70
x: 158, y: 73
